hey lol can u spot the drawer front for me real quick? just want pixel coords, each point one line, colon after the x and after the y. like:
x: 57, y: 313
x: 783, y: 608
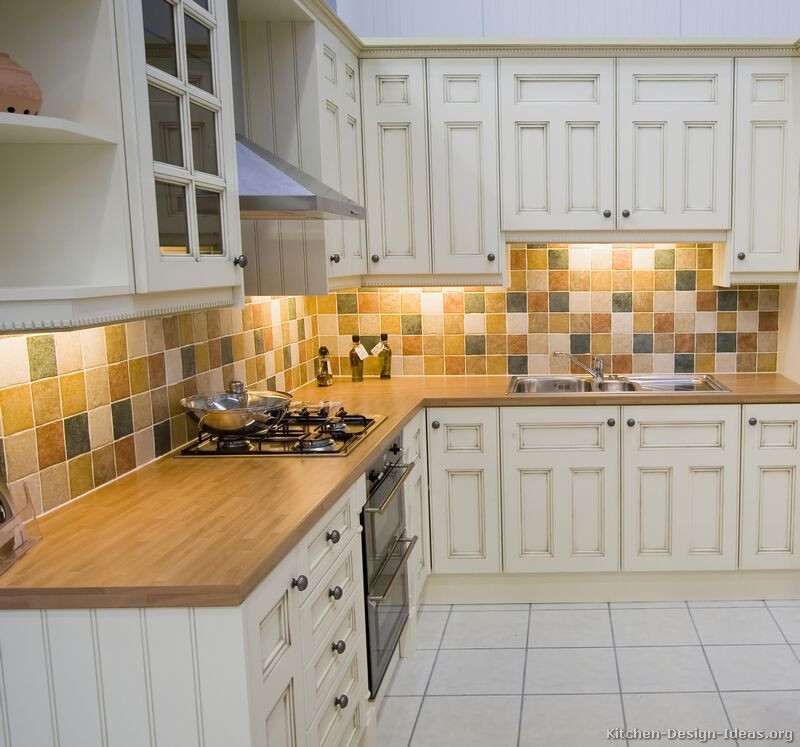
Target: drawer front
x: 327, y: 664
x: 320, y: 610
x: 322, y: 545
x: 413, y: 435
x: 335, y: 726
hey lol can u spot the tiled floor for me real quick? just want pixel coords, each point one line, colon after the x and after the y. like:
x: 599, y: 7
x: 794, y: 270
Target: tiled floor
x: 560, y: 675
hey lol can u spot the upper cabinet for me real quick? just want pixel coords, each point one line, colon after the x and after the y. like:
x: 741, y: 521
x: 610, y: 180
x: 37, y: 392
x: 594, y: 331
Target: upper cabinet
x: 674, y: 131
x: 557, y: 144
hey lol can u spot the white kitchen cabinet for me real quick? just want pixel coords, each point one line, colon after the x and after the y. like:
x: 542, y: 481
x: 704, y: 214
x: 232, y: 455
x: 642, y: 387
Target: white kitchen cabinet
x: 557, y: 130
x: 763, y: 245
x: 674, y: 133
x: 560, y: 488
x: 462, y: 116
x: 463, y: 457
x: 415, y: 491
x: 396, y: 166
x: 680, y: 480
x: 770, y: 526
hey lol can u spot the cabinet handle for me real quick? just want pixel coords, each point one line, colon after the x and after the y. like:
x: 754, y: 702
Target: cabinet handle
x: 333, y: 536
x: 491, y: 257
x: 240, y: 261
x: 740, y: 255
x: 611, y: 422
x: 335, y: 258
x: 753, y: 421
x: 339, y: 647
x: 435, y: 425
x: 631, y: 422
x: 335, y: 592
x: 626, y: 213
x: 375, y: 258
x: 300, y: 583
x: 341, y: 701
x: 606, y: 213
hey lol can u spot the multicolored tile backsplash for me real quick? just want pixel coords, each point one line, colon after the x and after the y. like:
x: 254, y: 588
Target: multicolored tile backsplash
x: 78, y: 409
x: 642, y: 308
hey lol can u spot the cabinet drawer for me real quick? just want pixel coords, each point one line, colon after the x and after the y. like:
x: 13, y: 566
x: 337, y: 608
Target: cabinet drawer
x: 334, y: 725
x: 319, y: 611
x: 325, y: 542
x: 413, y: 435
x: 327, y: 664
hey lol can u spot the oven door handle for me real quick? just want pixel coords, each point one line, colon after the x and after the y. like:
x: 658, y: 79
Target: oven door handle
x: 407, y: 468
x: 410, y: 542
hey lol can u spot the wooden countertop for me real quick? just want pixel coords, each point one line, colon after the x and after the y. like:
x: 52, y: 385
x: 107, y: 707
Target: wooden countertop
x: 205, y: 532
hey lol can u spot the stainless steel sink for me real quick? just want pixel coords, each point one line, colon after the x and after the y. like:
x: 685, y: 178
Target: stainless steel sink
x: 662, y: 383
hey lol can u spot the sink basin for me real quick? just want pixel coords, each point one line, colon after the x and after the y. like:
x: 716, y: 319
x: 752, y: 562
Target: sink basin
x: 661, y: 383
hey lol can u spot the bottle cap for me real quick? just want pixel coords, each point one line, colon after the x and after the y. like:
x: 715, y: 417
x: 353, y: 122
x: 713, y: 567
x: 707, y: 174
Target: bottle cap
x: 323, y: 350
x: 384, y: 336
x: 356, y: 338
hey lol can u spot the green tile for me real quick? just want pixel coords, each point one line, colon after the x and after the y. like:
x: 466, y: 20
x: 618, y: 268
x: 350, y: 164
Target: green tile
x: 475, y: 344
x: 517, y: 364
x: 559, y: 301
x: 122, y: 418
x: 665, y: 259
x: 516, y: 302
x: 226, y: 350
x: 301, y: 329
x: 622, y: 301
x: 76, y: 434
x: 474, y: 303
x: 259, y: 341
x: 347, y: 303
x: 685, y: 280
x: 161, y: 435
x: 411, y: 324
x: 287, y: 357
x: 188, y: 361
x: 42, y: 356
x: 292, y: 307
x: 558, y: 259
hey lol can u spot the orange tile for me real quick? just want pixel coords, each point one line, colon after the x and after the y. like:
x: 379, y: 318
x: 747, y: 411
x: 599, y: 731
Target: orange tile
x: 496, y: 323
x: 124, y: 455
x: 643, y: 280
x: 495, y: 364
x: 621, y: 364
x: 496, y: 344
x: 601, y: 323
x: 558, y: 280
x: 476, y: 365
x: 537, y: 259
x: 517, y: 259
x: 453, y: 302
x: 390, y: 324
x: 118, y: 381
x: 46, y: 401
x: 706, y: 301
x: 17, y: 409
x: 50, y: 444
x: 517, y: 344
x: 580, y: 323
x: 454, y: 365
x: 705, y: 259
x: 559, y: 323
x: 663, y: 322
x: 454, y: 324
x: 684, y: 343
x: 705, y: 342
x: 622, y: 280
x: 410, y: 302
x: 538, y: 322
x: 73, y: 393
x: 580, y: 280
x: 642, y: 301
x: 538, y: 301
x: 432, y: 344
x: 664, y: 280
x: 495, y: 302
x: 433, y: 365
x: 325, y: 304
x: 412, y: 344
x: 348, y: 324
x: 454, y: 345
x: 137, y: 370
x: 642, y: 321
x: 368, y: 303
x: 621, y: 259
x: 601, y: 280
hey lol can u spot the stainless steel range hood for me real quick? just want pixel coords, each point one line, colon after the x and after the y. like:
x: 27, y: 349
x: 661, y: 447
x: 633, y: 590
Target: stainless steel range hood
x: 269, y: 187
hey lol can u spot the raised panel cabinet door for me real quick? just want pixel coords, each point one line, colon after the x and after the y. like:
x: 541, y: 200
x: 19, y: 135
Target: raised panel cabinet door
x: 557, y: 144
x: 275, y: 657
x: 465, y: 197
x: 680, y: 487
x: 463, y: 456
x: 674, y: 131
x: 770, y: 493
x: 416, y: 503
x: 560, y: 488
x: 766, y: 164
x: 396, y: 166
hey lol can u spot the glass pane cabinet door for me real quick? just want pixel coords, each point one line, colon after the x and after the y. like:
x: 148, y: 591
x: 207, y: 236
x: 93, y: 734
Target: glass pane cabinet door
x: 191, y: 218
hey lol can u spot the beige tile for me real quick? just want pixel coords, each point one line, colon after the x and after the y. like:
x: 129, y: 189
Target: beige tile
x: 68, y: 351
x: 144, y: 446
x: 21, y: 459
x: 46, y: 401
x: 55, y: 486
x: 142, y: 411
x: 16, y: 409
x: 93, y: 345
x: 80, y: 475
x: 136, y: 338
x: 25, y: 490
x: 100, y: 428
x: 154, y: 334
x: 14, y: 356
x: 97, y: 392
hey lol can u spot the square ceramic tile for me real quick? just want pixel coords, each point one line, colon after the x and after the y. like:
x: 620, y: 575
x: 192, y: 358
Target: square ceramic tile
x: 722, y: 603
x: 754, y: 667
x: 430, y: 626
x: 396, y: 720
x: 435, y: 607
x: 764, y: 712
x: 506, y: 629
x: 569, y: 606
x: 685, y: 711
x: 736, y: 625
x: 412, y: 673
x: 490, y: 607
x: 569, y: 720
x: 788, y: 618
x: 647, y: 605
x: 495, y: 671
x: 474, y: 721
x: 570, y: 628
x: 663, y: 669
x: 653, y: 627
x: 783, y: 602
x: 571, y: 670
x: 14, y: 354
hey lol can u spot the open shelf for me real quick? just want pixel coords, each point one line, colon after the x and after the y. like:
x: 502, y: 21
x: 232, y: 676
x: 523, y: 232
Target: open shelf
x: 27, y: 128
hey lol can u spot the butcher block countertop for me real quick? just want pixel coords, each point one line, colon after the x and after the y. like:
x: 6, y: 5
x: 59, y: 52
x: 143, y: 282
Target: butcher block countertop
x: 205, y: 532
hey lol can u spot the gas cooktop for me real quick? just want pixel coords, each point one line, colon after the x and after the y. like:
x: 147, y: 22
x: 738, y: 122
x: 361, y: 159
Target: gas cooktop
x: 308, y: 429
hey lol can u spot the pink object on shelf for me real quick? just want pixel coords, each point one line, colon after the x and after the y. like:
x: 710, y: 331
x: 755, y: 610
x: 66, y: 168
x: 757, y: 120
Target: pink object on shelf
x: 19, y: 92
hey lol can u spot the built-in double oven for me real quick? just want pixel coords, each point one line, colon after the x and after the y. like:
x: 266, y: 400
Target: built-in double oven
x: 386, y: 552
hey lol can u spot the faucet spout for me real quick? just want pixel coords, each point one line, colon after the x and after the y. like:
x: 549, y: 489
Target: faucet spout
x: 596, y: 372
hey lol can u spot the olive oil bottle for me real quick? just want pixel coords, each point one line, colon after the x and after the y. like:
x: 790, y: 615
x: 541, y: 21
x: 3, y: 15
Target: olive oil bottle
x: 384, y: 354
x: 324, y: 373
x: 357, y: 354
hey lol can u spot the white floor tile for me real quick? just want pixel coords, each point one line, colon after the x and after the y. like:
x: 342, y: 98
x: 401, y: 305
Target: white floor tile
x: 435, y: 607
x: 783, y: 602
x: 506, y: 629
x: 646, y: 605
x: 686, y: 711
x: 789, y: 621
x: 489, y: 607
x: 570, y: 606
x: 496, y: 671
x: 663, y: 669
x: 723, y: 603
x: 474, y: 721
x: 569, y: 720
x: 396, y: 720
x: 571, y: 670
x: 430, y: 626
x: 764, y: 712
x: 733, y: 626
x: 570, y: 628
x: 412, y: 673
x: 653, y: 627
x: 754, y: 667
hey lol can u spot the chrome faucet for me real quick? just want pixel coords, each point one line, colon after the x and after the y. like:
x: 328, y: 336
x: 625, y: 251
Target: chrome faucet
x: 597, y: 364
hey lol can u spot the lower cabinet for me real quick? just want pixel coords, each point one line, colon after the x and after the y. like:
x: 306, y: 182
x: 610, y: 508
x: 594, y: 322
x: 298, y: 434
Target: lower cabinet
x: 560, y: 488
x: 770, y: 491
x: 680, y: 487
x: 416, y: 506
x: 463, y: 454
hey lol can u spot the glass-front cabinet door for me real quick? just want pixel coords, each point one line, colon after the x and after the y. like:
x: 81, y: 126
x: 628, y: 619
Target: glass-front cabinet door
x: 180, y: 63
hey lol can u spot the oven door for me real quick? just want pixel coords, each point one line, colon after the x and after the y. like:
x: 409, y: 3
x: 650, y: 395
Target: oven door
x: 387, y: 610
